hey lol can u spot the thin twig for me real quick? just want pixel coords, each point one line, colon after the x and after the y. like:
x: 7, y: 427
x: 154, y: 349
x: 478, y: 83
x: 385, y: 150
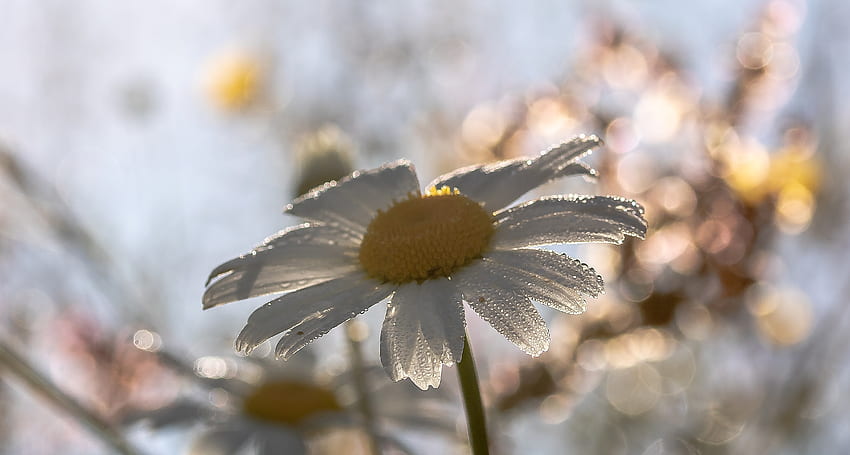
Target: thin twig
x: 42, y: 387
x: 45, y: 201
x: 475, y: 419
x: 364, y: 401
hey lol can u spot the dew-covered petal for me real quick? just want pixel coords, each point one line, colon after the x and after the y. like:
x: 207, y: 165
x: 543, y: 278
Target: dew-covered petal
x: 568, y: 219
x: 423, y: 329
x: 352, y: 202
x: 306, y: 314
x: 443, y: 325
x: 292, y: 259
x: 547, y: 277
x: 501, y: 304
x: 327, y: 316
x: 497, y: 185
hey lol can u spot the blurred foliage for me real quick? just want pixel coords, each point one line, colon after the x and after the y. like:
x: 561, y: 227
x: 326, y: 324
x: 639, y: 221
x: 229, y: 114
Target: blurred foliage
x: 703, y: 344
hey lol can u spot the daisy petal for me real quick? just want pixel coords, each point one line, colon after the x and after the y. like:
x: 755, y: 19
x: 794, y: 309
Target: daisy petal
x: 290, y: 260
x: 179, y: 412
x: 276, y: 439
x: 309, y: 313
x: 549, y: 278
x: 220, y: 440
x: 352, y: 202
x: 497, y: 185
x: 568, y: 219
x: 423, y: 329
x: 331, y: 314
x: 444, y: 324
x: 502, y: 305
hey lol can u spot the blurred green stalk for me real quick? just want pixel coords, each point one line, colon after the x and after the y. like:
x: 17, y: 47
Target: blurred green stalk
x: 40, y: 386
x: 475, y: 421
x: 364, y: 401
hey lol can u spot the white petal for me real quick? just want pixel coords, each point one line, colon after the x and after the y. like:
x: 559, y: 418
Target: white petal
x: 290, y: 260
x: 498, y: 302
x: 309, y: 313
x: 352, y: 202
x: 180, y: 412
x: 329, y: 315
x: 497, y: 185
x: 222, y: 440
x: 549, y: 278
x: 442, y: 320
x: 276, y: 439
x: 568, y: 219
x: 423, y: 329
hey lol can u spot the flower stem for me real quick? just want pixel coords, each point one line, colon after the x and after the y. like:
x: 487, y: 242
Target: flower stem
x: 364, y: 402
x: 17, y: 366
x: 472, y: 401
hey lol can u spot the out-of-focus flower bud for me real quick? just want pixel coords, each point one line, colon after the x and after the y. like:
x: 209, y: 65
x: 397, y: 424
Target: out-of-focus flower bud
x: 322, y: 156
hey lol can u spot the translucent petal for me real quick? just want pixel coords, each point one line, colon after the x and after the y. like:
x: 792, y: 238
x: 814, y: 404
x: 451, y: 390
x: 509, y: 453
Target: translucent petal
x: 309, y: 313
x: 502, y: 304
x: 442, y: 320
x: 352, y: 202
x: 497, y: 185
x: 568, y: 219
x: 290, y: 260
x: 179, y: 412
x: 320, y: 322
x: 550, y: 278
x: 423, y: 329
x: 222, y: 440
x: 277, y: 439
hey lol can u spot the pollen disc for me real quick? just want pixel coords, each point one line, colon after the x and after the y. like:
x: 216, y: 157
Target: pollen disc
x: 288, y: 402
x: 425, y: 237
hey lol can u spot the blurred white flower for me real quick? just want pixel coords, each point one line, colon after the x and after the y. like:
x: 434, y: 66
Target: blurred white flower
x: 255, y: 406
x: 373, y: 235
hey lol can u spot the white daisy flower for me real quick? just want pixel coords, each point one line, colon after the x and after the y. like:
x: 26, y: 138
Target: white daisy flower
x: 374, y: 236
x: 268, y: 408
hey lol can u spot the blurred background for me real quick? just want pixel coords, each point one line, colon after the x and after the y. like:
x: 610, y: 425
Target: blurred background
x: 144, y: 143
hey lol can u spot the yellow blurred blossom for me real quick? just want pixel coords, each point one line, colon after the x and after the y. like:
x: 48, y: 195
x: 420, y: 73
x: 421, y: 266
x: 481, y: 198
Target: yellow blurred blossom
x: 791, y: 175
x: 795, y: 178
x: 233, y: 80
x: 747, y: 168
x: 794, y: 165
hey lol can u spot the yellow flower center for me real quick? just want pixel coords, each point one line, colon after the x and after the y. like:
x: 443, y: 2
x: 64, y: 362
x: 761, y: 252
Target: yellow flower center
x: 425, y: 237
x: 288, y: 402
x: 234, y: 81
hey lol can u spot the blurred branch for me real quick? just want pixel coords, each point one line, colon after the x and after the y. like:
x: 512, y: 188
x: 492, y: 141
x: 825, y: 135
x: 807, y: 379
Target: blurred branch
x: 364, y: 401
x: 46, y: 390
x: 43, y: 198
x: 806, y: 388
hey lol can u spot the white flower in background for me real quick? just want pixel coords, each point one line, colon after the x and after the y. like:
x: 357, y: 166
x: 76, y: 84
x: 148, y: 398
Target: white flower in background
x: 263, y: 407
x: 373, y: 236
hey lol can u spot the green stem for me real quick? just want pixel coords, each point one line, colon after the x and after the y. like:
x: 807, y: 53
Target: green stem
x: 364, y: 401
x: 472, y: 401
x: 17, y: 366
